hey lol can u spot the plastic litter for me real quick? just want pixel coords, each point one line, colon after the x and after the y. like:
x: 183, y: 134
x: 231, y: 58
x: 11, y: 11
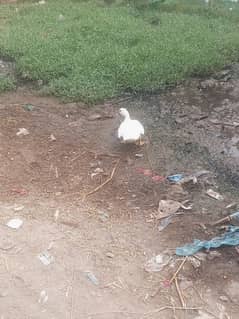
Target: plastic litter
x: 214, y: 194
x: 15, y: 223
x: 183, y: 179
x: 167, y: 207
x: 28, y: 107
x: 43, y: 297
x: 157, y: 263
x: 164, y: 223
x: 175, y: 178
x: 103, y: 216
x: 158, y: 178
x: 22, y: 131
x: 232, y: 217
x: 46, y: 258
x: 230, y: 238
x: 92, y: 277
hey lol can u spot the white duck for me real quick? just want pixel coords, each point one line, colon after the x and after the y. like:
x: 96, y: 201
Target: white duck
x: 130, y: 131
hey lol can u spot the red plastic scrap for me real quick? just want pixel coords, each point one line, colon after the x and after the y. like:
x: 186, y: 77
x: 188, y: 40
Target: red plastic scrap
x: 158, y: 178
x: 20, y: 191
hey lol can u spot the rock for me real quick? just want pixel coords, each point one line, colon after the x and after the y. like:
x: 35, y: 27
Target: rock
x: 109, y: 255
x: 224, y: 298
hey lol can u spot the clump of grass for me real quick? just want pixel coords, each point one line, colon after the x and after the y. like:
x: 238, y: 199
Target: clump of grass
x: 6, y: 83
x: 83, y: 51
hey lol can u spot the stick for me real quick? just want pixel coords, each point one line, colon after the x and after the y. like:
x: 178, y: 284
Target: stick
x: 72, y: 300
x: 141, y: 314
x: 178, y: 270
x: 179, y: 293
x: 105, y: 182
x: 104, y: 154
x: 56, y: 171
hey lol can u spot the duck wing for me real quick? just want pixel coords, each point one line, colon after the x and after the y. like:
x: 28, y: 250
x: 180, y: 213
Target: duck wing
x: 130, y: 130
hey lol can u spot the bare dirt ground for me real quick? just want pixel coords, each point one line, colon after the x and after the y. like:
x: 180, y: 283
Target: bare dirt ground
x: 114, y: 232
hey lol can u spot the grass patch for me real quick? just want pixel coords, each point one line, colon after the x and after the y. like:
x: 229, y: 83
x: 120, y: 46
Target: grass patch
x: 6, y: 84
x: 88, y: 51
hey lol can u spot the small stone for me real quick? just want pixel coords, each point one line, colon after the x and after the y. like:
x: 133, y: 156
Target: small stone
x: 99, y: 170
x: 109, y: 255
x: 18, y: 208
x: 14, y: 223
x: 22, y: 131
x: 52, y: 138
x: 58, y: 193
x: 224, y: 298
x: 139, y: 155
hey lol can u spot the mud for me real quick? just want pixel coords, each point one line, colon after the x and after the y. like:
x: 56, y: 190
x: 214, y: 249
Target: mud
x: 114, y: 231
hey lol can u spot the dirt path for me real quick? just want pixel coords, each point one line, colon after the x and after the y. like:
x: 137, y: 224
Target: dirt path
x: 45, y: 176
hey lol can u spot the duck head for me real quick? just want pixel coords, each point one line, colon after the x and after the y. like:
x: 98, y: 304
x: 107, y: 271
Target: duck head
x: 123, y: 112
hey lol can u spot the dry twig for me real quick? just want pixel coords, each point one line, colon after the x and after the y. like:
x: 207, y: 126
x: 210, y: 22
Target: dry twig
x: 178, y: 270
x: 141, y: 314
x: 72, y: 295
x: 179, y: 293
x: 105, y: 182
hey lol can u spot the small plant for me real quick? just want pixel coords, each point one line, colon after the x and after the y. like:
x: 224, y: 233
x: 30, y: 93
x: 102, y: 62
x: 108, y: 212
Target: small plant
x: 6, y: 83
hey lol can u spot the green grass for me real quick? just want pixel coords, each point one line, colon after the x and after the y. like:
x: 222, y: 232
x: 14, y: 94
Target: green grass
x: 100, y: 51
x: 6, y: 84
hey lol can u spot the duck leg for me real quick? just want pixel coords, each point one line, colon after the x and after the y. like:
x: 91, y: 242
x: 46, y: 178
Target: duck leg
x: 140, y: 142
